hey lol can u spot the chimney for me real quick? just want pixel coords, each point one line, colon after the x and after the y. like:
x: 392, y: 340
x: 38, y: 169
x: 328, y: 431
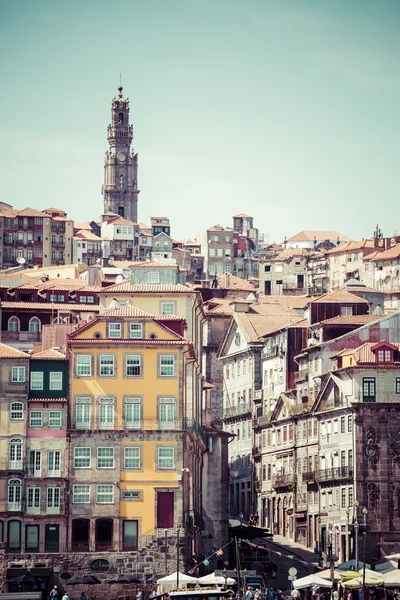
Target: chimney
x: 387, y: 243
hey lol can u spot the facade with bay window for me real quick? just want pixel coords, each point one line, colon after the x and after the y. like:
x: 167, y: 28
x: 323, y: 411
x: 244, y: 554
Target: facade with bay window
x: 129, y: 428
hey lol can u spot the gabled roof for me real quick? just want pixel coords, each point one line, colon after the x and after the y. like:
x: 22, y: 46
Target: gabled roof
x: 126, y: 287
x: 364, y: 354
x: 152, y: 264
x: 54, y: 306
x: 241, y: 216
x: 352, y: 246
x: 9, y: 352
x: 119, y: 221
x: 256, y: 327
x: 341, y: 295
x: 219, y: 228
x: 290, y: 253
x: 49, y: 354
x: 231, y: 282
x: 87, y: 235
x: 393, y: 252
x: 131, y: 311
x: 309, y: 236
x: 31, y: 212
x: 350, y: 320
x: 80, y: 226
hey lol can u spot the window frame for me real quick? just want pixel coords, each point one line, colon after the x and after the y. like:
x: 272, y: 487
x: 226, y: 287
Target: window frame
x: 105, y: 485
x: 153, y: 277
x: 82, y: 493
x: 118, y: 330
x: 78, y: 357
x: 368, y: 384
x: 132, y: 330
x: 89, y: 457
x: 105, y: 402
x: 37, y: 380
x: 126, y: 458
x: 162, y: 366
x: 109, y: 366
x: 111, y: 458
x: 36, y: 425
x: 133, y: 401
x: 16, y: 378
x: 17, y: 410
x: 59, y: 382
x: 165, y: 304
x: 166, y: 401
x: 51, y: 417
x: 84, y: 424
x: 138, y: 366
x: 159, y: 450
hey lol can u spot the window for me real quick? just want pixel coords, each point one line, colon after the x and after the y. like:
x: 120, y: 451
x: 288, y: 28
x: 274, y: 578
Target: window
x: 343, y: 425
x: 130, y: 535
x: 35, y: 463
x: 55, y: 418
x: 167, y: 308
x: 57, y: 297
x: 105, y: 458
x: 133, y: 365
x: 165, y: 458
x: 368, y: 389
x: 384, y: 356
x: 82, y: 458
x: 36, y: 380
x: 83, y: 413
x: 81, y: 494
x: 349, y: 423
x: 167, y: 366
x: 33, y: 499
x: 136, y: 330
x: 18, y: 374
x: 83, y: 365
x: 13, y: 324
x: 35, y: 325
x: 106, y: 413
x: 166, y: 408
x: 56, y: 382
x: 54, y: 462
x: 133, y: 413
x: 15, y: 460
x: 16, y: 411
x: 107, y: 365
x: 35, y: 418
x: 115, y: 330
x: 397, y: 385
x: 350, y: 496
x: 153, y: 277
x: 53, y: 498
x: 132, y: 457
x: 346, y: 311
x: 14, y: 494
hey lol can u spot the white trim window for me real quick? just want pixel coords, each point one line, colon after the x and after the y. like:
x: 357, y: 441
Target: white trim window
x: 167, y: 365
x: 13, y: 324
x: 105, y: 494
x: 133, y: 365
x: 132, y: 457
x: 15, y: 447
x: 18, y: 375
x: 35, y: 418
x: 55, y: 418
x: 136, y: 331
x: 83, y: 365
x: 14, y: 494
x: 133, y: 413
x: 33, y: 500
x: 114, y: 330
x: 54, y: 463
x: 166, y: 411
x: 35, y: 325
x: 83, y: 413
x: 56, y: 380
x: 153, y: 277
x: 168, y: 308
x: 82, y: 458
x: 166, y: 457
x: 106, y: 413
x: 105, y: 458
x: 107, y: 365
x: 36, y: 380
x: 53, y: 500
x: 81, y: 494
x: 16, y: 411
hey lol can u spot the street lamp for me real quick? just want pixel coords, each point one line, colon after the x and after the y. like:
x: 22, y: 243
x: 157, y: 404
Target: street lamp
x: 347, y: 534
x: 356, y: 527
x: 365, y: 513
x: 226, y: 564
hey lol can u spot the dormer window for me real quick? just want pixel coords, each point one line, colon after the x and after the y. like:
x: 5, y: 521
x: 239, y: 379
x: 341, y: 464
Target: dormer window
x: 384, y: 352
x: 384, y: 356
x: 346, y: 311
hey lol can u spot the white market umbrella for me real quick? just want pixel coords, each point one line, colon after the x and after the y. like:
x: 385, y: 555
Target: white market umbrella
x: 214, y: 579
x: 169, y: 581
x: 386, y: 567
x: 392, y: 579
x: 326, y: 574
x: 311, y: 581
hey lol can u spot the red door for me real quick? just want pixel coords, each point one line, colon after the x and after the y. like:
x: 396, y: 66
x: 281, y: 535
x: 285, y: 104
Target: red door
x: 165, y: 510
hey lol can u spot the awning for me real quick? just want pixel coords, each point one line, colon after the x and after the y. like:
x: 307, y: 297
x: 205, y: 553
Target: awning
x: 10, y: 573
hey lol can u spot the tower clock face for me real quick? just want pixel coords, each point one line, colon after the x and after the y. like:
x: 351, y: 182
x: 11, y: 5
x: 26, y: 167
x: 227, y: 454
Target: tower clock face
x: 121, y: 156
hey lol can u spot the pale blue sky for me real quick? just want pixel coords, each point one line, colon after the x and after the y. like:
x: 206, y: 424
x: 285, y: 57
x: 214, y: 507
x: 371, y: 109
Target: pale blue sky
x: 284, y: 109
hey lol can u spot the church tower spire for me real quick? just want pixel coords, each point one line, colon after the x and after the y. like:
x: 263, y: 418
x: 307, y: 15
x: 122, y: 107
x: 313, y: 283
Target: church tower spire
x: 120, y: 191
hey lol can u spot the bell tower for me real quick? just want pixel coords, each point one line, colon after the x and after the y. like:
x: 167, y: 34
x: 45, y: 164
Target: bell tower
x: 120, y: 191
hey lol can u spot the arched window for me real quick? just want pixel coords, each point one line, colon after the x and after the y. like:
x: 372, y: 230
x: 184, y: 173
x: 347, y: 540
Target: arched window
x: 16, y: 411
x: 14, y: 494
x: 13, y: 324
x: 15, y: 460
x: 121, y: 211
x: 56, y: 320
x: 35, y: 325
x: 120, y: 118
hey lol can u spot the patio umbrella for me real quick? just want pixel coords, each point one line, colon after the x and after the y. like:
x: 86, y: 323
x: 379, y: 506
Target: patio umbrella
x: 311, y: 581
x: 214, y: 579
x: 83, y: 580
x: 358, y: 582
x: 22, y: 579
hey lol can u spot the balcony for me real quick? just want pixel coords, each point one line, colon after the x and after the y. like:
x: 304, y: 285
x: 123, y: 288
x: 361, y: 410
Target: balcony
x: 309, y: 477
x: 58, y: 244
x: 257, y: 486
x: 256, y: 452
x: 12, y: 465
x: 334, y: 474
x: 301, y: 375
x: 233, y: 411
x: 43, y: 509
x: 21, y: 336
x: 282, y: 481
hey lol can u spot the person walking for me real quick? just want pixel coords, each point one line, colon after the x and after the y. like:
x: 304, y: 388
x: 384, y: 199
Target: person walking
x: 66, y: 597
x: 55, y: 593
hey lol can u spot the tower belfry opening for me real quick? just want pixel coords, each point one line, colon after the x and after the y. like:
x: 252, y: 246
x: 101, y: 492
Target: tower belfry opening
x: 120, y: 191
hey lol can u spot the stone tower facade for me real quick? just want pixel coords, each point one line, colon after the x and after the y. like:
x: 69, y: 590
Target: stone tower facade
x: 120, y: 191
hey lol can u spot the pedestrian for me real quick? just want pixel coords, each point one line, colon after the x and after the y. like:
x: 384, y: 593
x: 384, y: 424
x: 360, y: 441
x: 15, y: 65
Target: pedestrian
x: 55, y: 593
x: 83, y: 596
x: 65, y: 597
x: 335, y: 594
x: 249, y: 593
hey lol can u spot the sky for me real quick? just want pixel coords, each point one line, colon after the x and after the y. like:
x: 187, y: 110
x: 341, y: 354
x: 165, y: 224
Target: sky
x: 287, y: 110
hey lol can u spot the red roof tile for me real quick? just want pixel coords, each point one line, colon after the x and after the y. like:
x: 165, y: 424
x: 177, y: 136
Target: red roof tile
x: 59, y: 400
x: 341, y: 295
x: 127, y: 287
x: 48, y: 354
x: 351, y: 320
x: 309, y: 236
x: 56, y: 306
x: 9, y: 352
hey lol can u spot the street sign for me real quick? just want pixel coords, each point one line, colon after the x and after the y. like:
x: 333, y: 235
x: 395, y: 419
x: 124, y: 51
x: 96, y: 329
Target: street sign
x: 292, y: 577
x: 292, y: 571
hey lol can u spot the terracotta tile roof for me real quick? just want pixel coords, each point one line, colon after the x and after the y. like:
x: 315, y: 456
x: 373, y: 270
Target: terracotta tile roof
x: 351, y: 246
x: 31, y: 212
x: 144, y: 226
x: 48, y: 354
x: 320, y: 236
x: 131, y: 311
x: 9, y: 352
x: 289, y: 253
x: 241, y: 216
x: 56, y: 306
x: 351, y: 320
x: 219, y: 228
x: 259, y: 326
x: 364, y: 355
x: 159, y: 219
x: 8, y: 213
x: 126, y: 287
x: 80, y: 226
x: 393, y: 252
x: 58, y: 400
x: 295, y: 302
x: 131, y: 342
x: 341, y: 295
x: 151, y: 264
x: 231, y: 282
x: 87, y: 235
x: 120, y: 221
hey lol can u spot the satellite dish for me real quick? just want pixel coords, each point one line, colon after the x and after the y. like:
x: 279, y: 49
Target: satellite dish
x: 111, y: 260
x: 119, y: 279
x: 21, y: 260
